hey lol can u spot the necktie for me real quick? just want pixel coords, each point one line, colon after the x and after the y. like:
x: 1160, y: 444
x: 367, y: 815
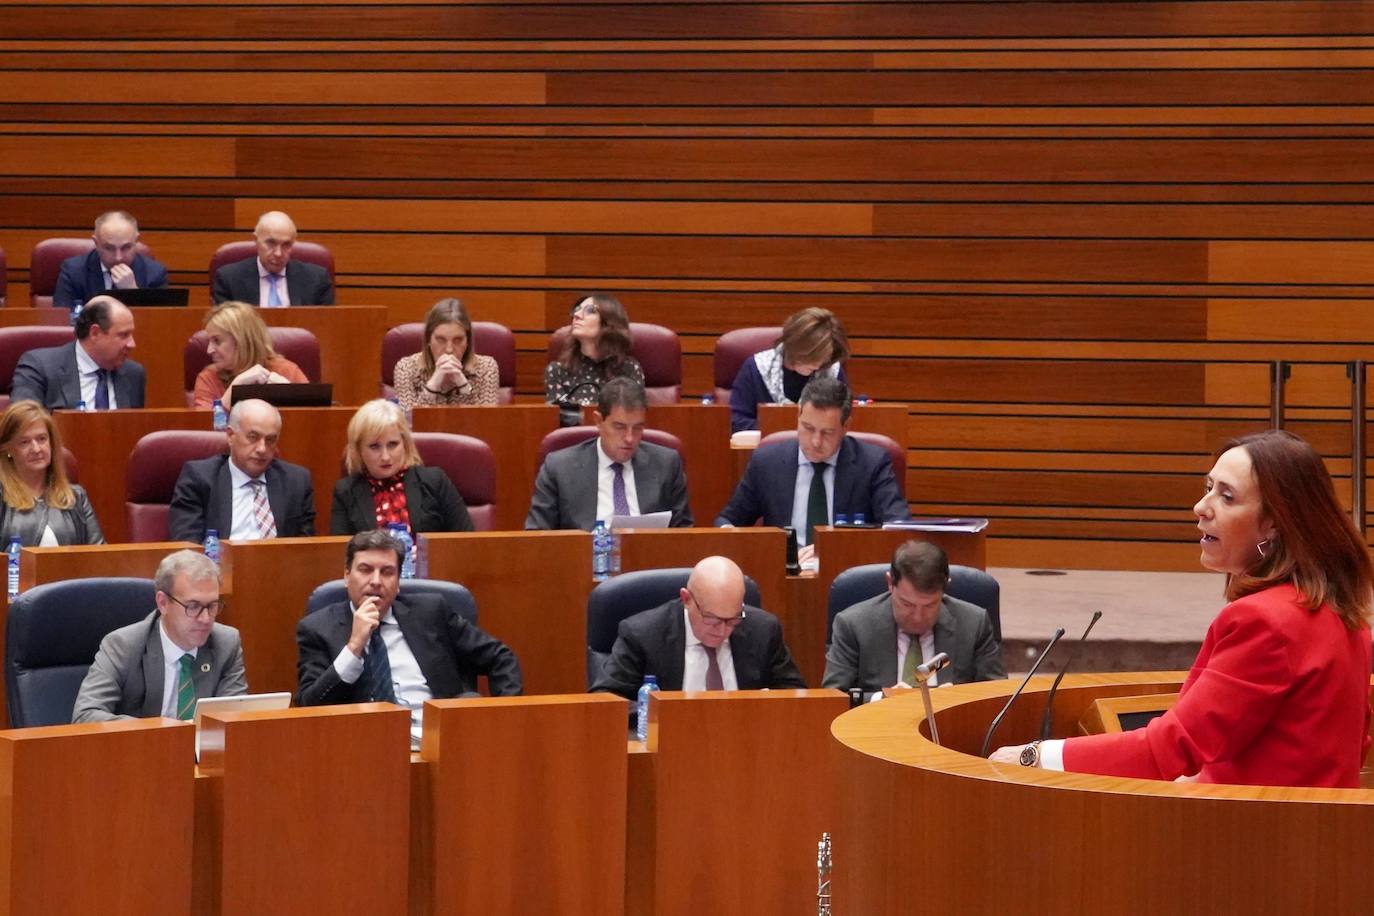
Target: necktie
x: 186, y: 687
x: 816, y: 511
x: 713, y: 678
x: 376, y: 679
x: 913, y: 658
x: 262, y: 512
x: 619, y: 504
x: 102, y: 389
x: 273, y: 299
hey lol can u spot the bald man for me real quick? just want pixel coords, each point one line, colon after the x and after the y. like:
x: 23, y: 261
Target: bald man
x: 705, y: 639
x: 115, y: 263
x: 273, y: 279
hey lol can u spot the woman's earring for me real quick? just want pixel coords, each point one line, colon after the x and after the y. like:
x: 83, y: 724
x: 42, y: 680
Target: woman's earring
x: 1260, y: 547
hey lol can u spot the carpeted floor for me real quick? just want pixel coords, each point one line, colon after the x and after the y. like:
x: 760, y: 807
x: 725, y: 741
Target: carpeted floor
x: 1150, y: 621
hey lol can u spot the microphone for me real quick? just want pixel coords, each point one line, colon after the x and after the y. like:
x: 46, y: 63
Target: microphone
x: 923, y: 673
x: 1048, y: 720
x: 987, y: 739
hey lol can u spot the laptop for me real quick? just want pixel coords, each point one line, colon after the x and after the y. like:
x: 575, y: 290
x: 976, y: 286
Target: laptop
x: 293, y: 394
x: 159, y: 296
x: 249, y: 702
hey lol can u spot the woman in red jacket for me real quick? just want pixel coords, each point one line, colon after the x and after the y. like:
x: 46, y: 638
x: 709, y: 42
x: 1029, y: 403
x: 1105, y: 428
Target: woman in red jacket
x: 1279, y: 694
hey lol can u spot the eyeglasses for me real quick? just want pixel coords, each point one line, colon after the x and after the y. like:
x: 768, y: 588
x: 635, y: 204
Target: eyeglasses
x: 195, y: 608
x: 711, y: 620
x: 586, y: 308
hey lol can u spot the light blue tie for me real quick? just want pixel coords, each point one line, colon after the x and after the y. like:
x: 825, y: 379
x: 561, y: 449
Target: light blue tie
x: 273, y: 299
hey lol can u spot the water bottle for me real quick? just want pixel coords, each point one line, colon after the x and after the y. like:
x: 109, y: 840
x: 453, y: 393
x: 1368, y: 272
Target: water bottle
x: 81, y: 406
x: 77, y: 306
x: 615, y: 551
x: 13, y: 551
x: 708, y: 399
x: 212, y: 544
x: 601, y: 552
x: 221, y: 415
x: 864, y: 400
x: 841, y: 520
x: 400, y: 533
x: 858, y: 519
x: 649, y: 686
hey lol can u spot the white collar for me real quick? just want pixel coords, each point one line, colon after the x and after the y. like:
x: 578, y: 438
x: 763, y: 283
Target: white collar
x: 171, y: 652
x: 264, y: 272
x: 238, y: 477
x: 84, y: 364
x: 803, y: 461
x: 604, y: 461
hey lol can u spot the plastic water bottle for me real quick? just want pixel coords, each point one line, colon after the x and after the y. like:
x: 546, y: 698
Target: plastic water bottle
x: 858, y: 519
x: 649, y: 686
x: 221, y: 415
x: 13, y: 551
x: 81, y: 406
x: 601, y: 552
x: 400, y: 533
x: 864, y: 400
x: 615, y: 551
x: 212, y: 544
x: 77, y: 306
x: 708, y: 399
x: 841, y: 520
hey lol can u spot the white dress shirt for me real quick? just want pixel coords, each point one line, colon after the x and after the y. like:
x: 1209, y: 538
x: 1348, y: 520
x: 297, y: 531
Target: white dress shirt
x: 801, y: 493
x: 86, y: 369
x: 171, y: 666
x: 605, y: 479
x: 407, y: 680
x: 265, y: 279
x: 694, y: 664
x: 244, y: 526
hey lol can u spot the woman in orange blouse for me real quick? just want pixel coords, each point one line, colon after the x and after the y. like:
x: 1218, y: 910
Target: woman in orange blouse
x: 240, y: 353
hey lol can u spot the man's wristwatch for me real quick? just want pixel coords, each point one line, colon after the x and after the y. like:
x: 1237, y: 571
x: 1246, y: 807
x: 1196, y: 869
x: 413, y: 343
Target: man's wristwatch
x: 1030, y: 754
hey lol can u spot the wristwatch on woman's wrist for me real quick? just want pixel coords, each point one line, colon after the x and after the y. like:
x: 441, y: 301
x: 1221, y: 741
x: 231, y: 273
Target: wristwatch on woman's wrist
x: 1030, y: 754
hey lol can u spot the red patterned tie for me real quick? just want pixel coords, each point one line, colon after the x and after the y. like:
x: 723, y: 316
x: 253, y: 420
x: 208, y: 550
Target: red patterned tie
x: 262, y: 512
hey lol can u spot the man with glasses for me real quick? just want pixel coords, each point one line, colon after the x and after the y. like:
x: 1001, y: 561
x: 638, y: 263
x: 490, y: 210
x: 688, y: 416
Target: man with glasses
x: 877, y: 644
x: 177, y: 654
x: 705, y: 639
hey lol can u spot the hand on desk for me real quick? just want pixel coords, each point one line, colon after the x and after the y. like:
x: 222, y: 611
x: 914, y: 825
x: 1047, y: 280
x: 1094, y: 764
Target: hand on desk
x: 1010, y: 754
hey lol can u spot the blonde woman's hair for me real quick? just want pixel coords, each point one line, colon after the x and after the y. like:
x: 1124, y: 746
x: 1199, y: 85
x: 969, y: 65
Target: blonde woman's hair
x: 19, y: 417
x: 241, y: 322
x: 368, y: 422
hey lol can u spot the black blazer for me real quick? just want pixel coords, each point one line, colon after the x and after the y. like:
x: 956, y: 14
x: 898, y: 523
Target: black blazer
x: 204, y: 498
x: 450, y: 651
x: 654, y: 641
x: 80, y: 277
x: 49, y: 376
x: 432, y: 500
x: 863, y: 483
x: 306, y: 283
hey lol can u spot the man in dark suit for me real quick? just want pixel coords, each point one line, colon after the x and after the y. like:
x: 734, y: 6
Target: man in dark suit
x: 376, y: 647
x: 248, y: 494
x: 825, y: 474
x: 115, y: 263
x: 707, y: 639
x: 614, y: 474
x: 272, y: 279
x: 178, y: 654
x: 877, y: 644
x: 94, y: 369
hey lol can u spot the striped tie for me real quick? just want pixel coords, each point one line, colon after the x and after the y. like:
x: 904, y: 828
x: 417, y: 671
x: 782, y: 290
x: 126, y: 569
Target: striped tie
x: 186, y: 688
x: 262, y: 512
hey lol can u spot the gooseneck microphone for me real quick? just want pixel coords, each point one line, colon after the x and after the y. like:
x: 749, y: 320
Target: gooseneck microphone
x: 1048, y: 720
x: 987, y: 739
x: 923, y: 672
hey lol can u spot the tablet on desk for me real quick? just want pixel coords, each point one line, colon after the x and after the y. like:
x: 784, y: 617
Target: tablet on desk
x: 248, y: 702
x: 161, y: 295
x: 288, y: 394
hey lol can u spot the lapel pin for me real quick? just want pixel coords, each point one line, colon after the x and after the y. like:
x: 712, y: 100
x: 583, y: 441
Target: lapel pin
x: 205, y: 668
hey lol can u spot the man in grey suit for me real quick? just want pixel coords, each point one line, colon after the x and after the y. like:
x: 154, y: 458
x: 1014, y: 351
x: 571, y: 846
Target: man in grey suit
x: 95, y: 368
x: 249, y: 494
x: 613, y: 474
x: 877, y: 644
x: 161, y: 665
x: 272, y: 279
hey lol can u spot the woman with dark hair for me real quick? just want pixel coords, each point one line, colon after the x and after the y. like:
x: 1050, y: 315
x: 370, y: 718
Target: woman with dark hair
x: 447, y: 370
x: 1279, y: 694
x: 41, y: 505
x: 813, y: 342
x: 597, y: 349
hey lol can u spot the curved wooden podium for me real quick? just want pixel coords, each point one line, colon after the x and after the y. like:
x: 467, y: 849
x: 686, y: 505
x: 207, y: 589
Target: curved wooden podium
x: 939, y: 828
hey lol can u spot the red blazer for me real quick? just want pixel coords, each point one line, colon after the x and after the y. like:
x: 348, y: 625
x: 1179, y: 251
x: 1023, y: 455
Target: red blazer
x: 1278, y: 696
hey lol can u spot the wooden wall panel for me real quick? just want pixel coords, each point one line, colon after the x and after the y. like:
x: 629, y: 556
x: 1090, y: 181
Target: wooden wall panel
x: 1072, y: 236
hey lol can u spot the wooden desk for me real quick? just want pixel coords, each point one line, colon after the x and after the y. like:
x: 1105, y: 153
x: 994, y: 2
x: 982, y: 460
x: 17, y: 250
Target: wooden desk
x: 96, y: 819
x: 514, y: 432
x: 527, y: 805
x: 707, y: 459
x: 1097, y: 844
x: 728, y: 802
x: 306, y: 799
